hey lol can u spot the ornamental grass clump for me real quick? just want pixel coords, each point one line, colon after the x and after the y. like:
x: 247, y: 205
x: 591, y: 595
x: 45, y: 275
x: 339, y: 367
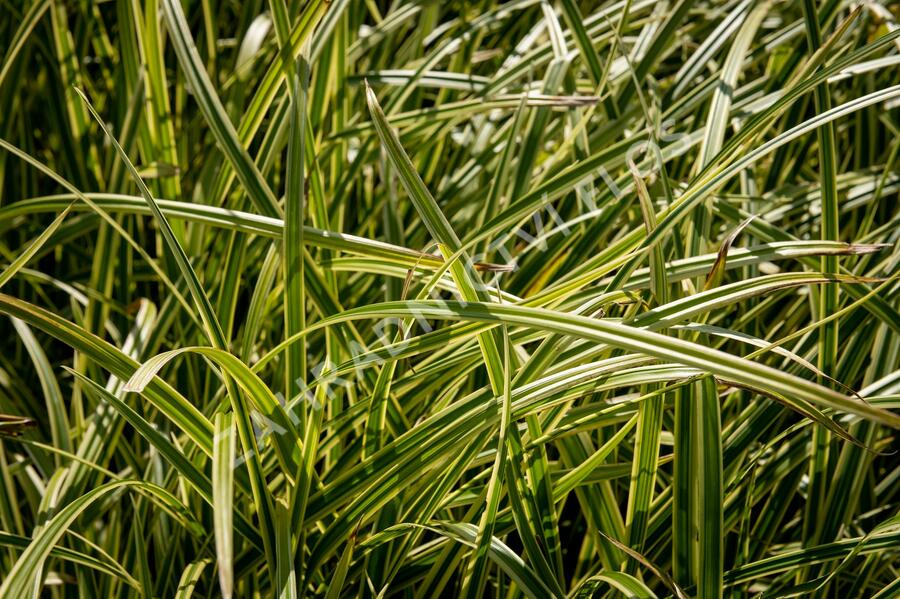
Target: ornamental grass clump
x: 532, y: 298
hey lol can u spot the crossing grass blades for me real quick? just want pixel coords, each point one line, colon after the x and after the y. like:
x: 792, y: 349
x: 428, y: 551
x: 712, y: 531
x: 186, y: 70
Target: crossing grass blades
x: 415, y: 299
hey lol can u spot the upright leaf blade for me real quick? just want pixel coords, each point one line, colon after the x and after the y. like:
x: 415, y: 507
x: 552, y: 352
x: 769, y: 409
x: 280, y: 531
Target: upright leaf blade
x: 223, y: 499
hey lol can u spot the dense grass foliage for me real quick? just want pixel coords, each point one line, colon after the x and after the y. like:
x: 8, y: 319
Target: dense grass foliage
x: 414, y: 299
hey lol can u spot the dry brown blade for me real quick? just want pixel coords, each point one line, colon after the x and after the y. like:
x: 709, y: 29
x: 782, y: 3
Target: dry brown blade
x: 859, y: 249
x: 489, y: 267
x: 718, y: 267
x: 13, y: 426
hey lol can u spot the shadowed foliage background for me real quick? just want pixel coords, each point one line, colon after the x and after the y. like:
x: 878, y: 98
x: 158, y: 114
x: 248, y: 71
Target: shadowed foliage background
x: 527, y: 298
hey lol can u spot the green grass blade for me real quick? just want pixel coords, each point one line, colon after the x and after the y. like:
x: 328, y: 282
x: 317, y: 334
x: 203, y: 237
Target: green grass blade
x: 33, y: 248
x: 214, y: 111
x: 223, y: 499
x: 475, y: 573
x: 190, y: 577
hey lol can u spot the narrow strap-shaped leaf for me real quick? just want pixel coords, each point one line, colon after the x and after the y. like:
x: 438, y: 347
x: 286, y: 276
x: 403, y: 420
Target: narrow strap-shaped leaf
x: 627, y: 585
x: 500, y: 181
x: 207, y: 314
x: 816, y: 554
x: 374, y: 432
x: 223, y: 499
x: 723, y: 96
x: 280, y: 426
x: 466, y: 278
x: 643, y: 471
x: 188, y: 418
x: 576, y: 23
x: 828, y: 296
x: 102, y: 563
x: 702, y: 186
x: 294, y: 239
x: 658, y: 283
x: 499, y: 553
x: 33, y: 248
x: 732, y: 368
x: 340, y: 572
x: 191, y: 475
x: 190, y: 577
x: 285, y: 570
x: 112, y: 222
x: 231, y: 219
x: 214, y: 111
x: 216, y: 337
x: 29, y: 21
x: 706, y: 441
x: 477, y: 567
x: 56, y: 407
x: 21, y: 575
